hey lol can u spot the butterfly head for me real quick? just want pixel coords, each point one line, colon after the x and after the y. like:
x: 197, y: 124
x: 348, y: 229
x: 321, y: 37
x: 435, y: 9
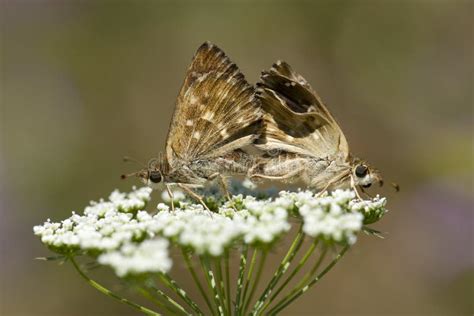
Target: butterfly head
x: 150, y: 175
x: 364, y: 175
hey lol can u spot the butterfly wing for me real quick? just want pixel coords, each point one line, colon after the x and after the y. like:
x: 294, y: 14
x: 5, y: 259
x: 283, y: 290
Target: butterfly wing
x: 216, y: 110
x: 295, y: 118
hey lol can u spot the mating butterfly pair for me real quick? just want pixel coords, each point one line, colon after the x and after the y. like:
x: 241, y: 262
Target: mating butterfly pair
x: 219, y: 116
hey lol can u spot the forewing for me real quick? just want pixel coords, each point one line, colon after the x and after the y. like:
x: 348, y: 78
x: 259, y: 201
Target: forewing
x: 216, y: 110
x: 296, y: 120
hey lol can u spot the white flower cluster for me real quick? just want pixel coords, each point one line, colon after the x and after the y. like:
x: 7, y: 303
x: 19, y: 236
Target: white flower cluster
x: 193, y: 227
x: 105, y: 225
x: 131, y: 258
x: 262, y: 220
x: 328, y: 217
x: 133, y: 241
x: 206, y: 233
x: 373, y: 210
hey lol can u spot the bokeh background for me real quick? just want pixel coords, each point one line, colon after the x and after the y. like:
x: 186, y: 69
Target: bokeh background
x: 84, y: 83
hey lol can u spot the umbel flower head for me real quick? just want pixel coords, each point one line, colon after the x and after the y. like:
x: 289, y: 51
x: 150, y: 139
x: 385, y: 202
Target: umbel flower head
x: 119, y: 233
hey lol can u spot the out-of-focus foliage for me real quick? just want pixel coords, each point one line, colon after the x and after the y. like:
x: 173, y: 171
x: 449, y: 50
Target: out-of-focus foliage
x: 85, y: 82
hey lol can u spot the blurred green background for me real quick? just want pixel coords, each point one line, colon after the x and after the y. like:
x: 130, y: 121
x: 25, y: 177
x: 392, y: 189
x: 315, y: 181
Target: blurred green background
x: 84, y: 83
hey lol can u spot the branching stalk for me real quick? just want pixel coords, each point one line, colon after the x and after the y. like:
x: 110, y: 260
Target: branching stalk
x: 197, y: 281
x: 282, y: 268
x: 211, y: 282
x: 240, y: 279
x: 171, y: 284
x: 107, y: 292
x: 256, y: 281
x: 285, y: 302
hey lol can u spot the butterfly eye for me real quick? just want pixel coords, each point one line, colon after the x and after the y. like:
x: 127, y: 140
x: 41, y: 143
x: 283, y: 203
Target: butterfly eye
x: 361, y: 171
x: 155, y: 176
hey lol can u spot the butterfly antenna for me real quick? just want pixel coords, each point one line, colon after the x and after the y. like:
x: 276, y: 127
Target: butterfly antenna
x: 395, y: 186
x: 125, y: 176
x: 130, y: 159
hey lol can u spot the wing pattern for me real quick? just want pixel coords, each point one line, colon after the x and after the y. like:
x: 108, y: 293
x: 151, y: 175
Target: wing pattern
x: 295, y: 118
x: 216, y: 110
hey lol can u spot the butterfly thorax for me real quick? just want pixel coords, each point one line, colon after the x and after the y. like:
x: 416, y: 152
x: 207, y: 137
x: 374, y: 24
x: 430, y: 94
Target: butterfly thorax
x: 332, y: 174
x: 199, y: 171
x: 314, y: 172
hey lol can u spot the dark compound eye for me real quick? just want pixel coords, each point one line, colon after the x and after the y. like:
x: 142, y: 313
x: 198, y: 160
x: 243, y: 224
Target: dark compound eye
x: 367, y: 185
x: 155, y: 176
x: 361, y: 171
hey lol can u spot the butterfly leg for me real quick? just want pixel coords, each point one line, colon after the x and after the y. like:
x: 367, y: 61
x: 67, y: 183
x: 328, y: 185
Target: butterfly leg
x: 323, y: 190
x: 223, y: 184
x: 224, y: 187
x: 354, y: 188
x: 357, y: 193
x: 171, y: 194
x: 334, y: 181
x: 288, y: 175
x: 194, y: 195
x: 326, y: 187
x: 363, y: 191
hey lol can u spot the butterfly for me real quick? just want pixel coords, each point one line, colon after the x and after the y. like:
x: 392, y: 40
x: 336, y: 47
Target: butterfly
x: 216, y: 116
x: 301, y: 139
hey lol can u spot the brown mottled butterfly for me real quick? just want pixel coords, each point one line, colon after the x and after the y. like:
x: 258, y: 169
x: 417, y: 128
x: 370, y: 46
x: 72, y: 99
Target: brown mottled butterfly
x: 301, y: 140
x: 216, y: 115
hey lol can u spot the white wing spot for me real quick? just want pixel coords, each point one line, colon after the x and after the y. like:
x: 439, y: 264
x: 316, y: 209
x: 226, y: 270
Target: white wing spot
x: 189, y: 122
x: 208, y: 116
x: 197, y: 135
x: 201, y: 107
x: 193, y: 99
x: 202, y: 77
x: 290, y: 138
x: 224, y: 133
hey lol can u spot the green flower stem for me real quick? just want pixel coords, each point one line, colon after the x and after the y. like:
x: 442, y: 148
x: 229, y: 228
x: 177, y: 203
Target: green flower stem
x: 153, y: 299
x: 282, y: 268
x: 197, y: 281
x: 248, y: 278
x: 171, y: 284
x: 110, y: 293
x: 295, y: 271
x: 284, y: 303
x: 164, y: 301
x: 240, y: 279
x: 211, y: 282
x: 254, y: 287
x: 227, y: 282
x: 161, y: 304
x: 220, y: 285
x: 309, y: 275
